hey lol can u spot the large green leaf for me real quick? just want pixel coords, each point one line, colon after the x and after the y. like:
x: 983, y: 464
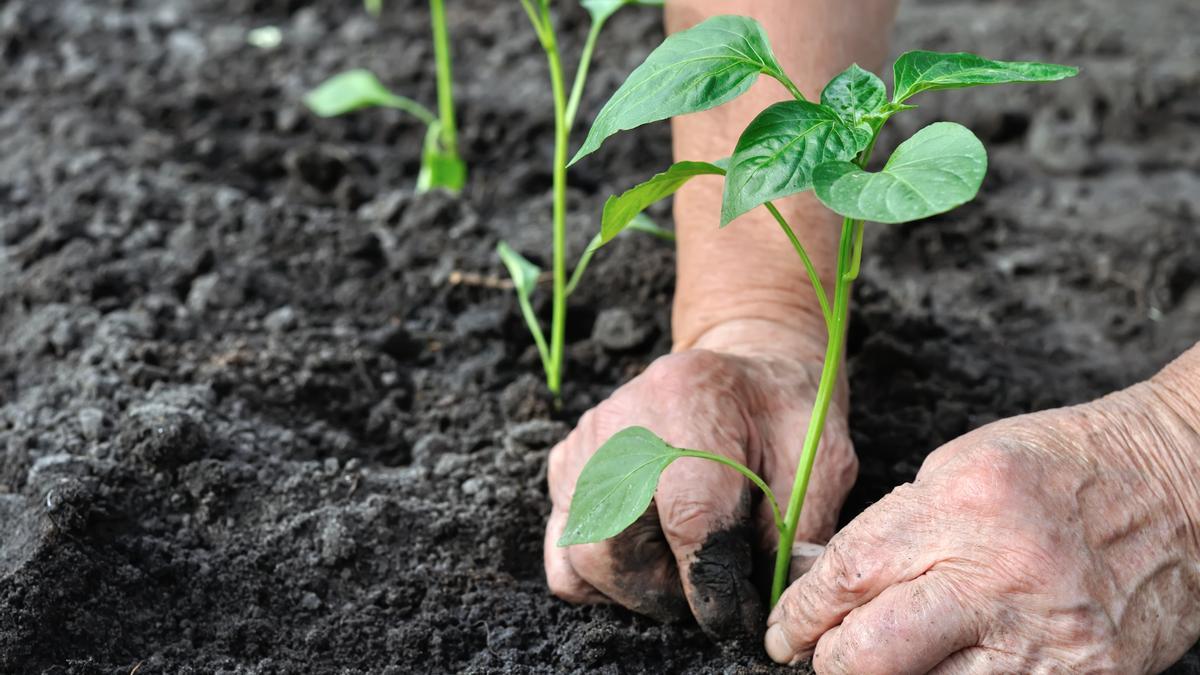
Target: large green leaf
x: 777, y: 153
x: 620, y: 211
x: 939, y: 168
x: 920, y: 71
x: 855, y: 93
x: 601, y: 10
x: 692, y: 70
x: 616, y: 485
x: 357, y: 89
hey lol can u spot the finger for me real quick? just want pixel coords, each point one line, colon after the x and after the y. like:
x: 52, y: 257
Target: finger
x: 705, y: 508
x: 886, y: 545
x: 804, y: 556
x: 908, y: 628
x: 634, y: 569
x: 562, y: 579
x: 980, y: 660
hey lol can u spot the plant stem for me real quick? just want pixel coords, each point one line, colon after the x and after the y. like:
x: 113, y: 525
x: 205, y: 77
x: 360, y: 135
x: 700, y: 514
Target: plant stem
x: 825, y: 392
x: 581, y: 266
x: 856, y: 253
x: 808, y: 265
x: 535, y: 20
x: 745, y: 471
x: 445, y: 79
x: 787, y: 84
x: 562, y: 134
x: 581, y: 72
x: 848, y: 265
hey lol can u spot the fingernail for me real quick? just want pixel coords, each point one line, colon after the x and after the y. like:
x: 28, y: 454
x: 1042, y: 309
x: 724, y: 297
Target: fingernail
x: 777, y: 645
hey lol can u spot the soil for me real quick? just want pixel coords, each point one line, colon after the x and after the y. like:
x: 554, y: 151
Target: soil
x: 256, y: 416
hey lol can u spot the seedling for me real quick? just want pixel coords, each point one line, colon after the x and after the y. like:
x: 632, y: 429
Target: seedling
x: 441, y: 166
x: 524, y: 273
x: 789, y: 148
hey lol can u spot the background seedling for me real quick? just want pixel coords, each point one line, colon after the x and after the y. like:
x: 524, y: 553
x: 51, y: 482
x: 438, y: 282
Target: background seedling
x: 789, y: 148
x: 441, y: 166
x: 566, y: 107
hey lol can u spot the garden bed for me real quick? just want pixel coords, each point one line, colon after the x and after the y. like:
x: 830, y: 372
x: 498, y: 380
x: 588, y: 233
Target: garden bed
x: 262, y: 409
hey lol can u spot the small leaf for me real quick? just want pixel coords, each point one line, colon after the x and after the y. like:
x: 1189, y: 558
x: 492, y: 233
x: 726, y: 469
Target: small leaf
x: 525, y: 277
x: 358, y: 89
x: 692, y: 70
x: 777, y: 153
x: 920, y: 71
x: 524, y: 273
x: 939, y: 168
x: 601, y: 10
x: 620, y: 211
x: 616, y: 485
x: 373, y: 7
x: 441, y: 170
x: 855, y: 93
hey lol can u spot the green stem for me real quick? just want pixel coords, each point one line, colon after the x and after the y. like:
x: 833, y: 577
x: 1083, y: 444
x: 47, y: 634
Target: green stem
x: 849, y: 263
x: 581, y: 73
x: 535, y: 20
x: 412, y: 108
x: 534, y: 329
x: 779, y: 522
x: 825, y: 392
x: 787, y: 83
x: 856, y: 254
x: 445, y: 79
x: 808, y: 265
x: 640, y: 223
x: 562, y: 133
x: 581, y: 266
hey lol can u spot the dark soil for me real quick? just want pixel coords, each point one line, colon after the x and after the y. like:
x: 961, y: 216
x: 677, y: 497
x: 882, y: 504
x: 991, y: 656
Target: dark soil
x: 251, y: 422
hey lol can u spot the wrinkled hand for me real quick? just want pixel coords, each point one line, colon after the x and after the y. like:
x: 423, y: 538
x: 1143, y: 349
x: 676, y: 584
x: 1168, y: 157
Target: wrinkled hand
x: 1054, y: 542
x: 743, y: 395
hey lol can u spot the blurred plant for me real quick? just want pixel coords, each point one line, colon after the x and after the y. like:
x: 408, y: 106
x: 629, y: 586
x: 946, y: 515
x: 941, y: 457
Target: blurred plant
x: 441, y: 165
x: 789, y: 148
x: 566, y: 107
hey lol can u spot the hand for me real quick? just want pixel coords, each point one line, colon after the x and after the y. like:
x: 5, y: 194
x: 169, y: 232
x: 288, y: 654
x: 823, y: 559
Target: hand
x: 1053, y: 542
x: 744, y: 390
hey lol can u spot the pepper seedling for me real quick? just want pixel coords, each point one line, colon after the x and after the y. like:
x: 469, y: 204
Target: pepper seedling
x: 566, y: 106
x: 441, y: 165
x: 790, y: 147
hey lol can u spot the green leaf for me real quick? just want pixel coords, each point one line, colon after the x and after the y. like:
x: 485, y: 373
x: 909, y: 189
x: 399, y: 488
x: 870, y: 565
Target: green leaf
x: 358, y: 89
x: 601, y: 10
x: 620, y: 211
x: 855, y: 93
x: 524, y: 273
x: 373, y: 7
x: 441, y: 170
x: 777, y: 153
x: 616, y: 485
x: 939, y: 168
x: 920, y: 71
x: 525, y: 277
x: 692, y: 70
